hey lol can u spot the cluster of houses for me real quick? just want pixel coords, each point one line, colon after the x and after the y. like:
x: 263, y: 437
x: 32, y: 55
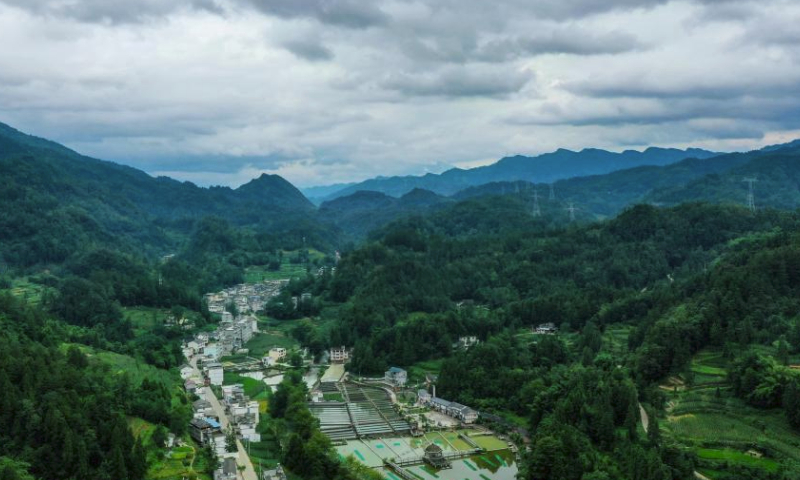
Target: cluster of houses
x: 242, y: 412
x: 206, y: 429
x: 229, y: 338
x: 466, y: 342
x: 248, y: 298
x: 452, y: 409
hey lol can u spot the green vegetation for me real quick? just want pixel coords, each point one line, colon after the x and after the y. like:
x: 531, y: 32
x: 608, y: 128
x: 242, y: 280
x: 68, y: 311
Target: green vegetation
x: 260, y: 344
x: 252, y: 388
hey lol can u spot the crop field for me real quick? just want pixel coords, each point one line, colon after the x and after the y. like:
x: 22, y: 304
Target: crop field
x: 615, y: 339
x: 258, y: 274
x: 723, y: 429
x: 287, y: 271
x: 124, y: 364
x: 182, y: 462
x: 30, y: 292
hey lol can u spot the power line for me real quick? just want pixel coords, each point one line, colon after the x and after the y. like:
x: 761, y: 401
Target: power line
x: 751, y: 202
x: 571, y: 209
x: 536, y: 211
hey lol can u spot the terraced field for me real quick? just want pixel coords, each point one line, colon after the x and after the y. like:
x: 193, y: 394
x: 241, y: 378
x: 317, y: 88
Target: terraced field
x: 703, y: 413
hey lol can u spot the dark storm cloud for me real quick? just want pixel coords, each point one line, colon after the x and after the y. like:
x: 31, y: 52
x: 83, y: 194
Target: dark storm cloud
x: 111, y: 11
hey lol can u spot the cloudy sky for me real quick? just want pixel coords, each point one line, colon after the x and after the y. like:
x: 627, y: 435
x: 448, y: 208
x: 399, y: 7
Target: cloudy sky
x: 324, y: 91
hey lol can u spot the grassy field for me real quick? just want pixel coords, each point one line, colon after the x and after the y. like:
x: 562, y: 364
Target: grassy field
x: 417, y: 371
x: 252, y: 387
x: 260, y: 344
x: 721, y: 428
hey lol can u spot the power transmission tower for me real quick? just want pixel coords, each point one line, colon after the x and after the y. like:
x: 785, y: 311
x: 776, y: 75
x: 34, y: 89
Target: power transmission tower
x: 536, y: 211
x: 571, y: 209
x: 552, y: 193
x: 751, y: 202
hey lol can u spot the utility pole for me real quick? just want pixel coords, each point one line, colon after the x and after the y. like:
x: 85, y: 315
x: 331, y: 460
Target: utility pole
x: 552, y: 192
x: 536, y: 211
x: 571, y: 209
x: 751, y: 203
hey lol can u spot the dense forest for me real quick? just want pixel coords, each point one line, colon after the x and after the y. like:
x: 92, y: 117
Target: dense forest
x: 683, y: 278
x: 636, y: 297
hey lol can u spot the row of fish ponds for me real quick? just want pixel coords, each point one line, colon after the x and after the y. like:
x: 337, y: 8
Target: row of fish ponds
x: 367, y: 427
x: 495, y: 462
x: 367, y: 411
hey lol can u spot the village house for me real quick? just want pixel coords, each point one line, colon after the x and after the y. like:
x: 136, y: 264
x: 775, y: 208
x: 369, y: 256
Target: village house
x: 247, y: 431
x: 452, y: 409
x: 463, y: 413
x: 339, y: 355
x: 466, y: 342
x: 228, y: 470
x: 190, y: 386
x: 396, y: 376
x: 186, y: 371
x: 275, y: 474
x: 423, y: 396
x: 203, y: 429
x: 546, y: 329
x: 202, y: 409
x: 277, y: 353
x: 213, y: 372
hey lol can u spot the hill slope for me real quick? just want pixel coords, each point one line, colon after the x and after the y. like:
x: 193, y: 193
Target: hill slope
x: 58, y: 202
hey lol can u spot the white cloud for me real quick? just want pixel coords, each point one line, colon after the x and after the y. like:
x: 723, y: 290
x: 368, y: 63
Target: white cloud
x: 217, y: 91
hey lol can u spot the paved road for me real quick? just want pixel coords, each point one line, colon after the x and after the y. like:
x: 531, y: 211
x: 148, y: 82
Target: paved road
x: 249, y: 472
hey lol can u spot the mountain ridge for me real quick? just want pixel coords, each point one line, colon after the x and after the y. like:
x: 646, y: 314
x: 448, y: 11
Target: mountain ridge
x: 543, y: 168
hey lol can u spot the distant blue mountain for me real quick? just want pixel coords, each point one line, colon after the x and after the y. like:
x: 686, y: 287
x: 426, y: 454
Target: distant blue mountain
x: 545, y: 168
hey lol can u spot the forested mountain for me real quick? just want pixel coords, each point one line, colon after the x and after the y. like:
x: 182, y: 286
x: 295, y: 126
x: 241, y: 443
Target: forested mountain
x: 718, y: 180
x: 57, y: 203
x: 777, y: 183
x: 544, y: 168
x: 675, y: 280
x: 364, y: 211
